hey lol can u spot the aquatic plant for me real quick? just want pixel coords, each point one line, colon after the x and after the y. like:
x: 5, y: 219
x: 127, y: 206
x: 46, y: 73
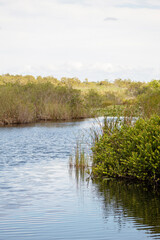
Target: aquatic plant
x: 129, y: 149
x: 78, y: 159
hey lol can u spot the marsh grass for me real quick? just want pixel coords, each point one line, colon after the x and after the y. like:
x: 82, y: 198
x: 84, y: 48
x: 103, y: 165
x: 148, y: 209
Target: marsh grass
x: 79, y: 159
x: 43, y: 101
x: 26, y: 99
x: 80, y: 164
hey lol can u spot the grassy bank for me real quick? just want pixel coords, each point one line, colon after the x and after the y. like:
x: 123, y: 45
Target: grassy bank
x: 43, y: 101
x: 26, y: 99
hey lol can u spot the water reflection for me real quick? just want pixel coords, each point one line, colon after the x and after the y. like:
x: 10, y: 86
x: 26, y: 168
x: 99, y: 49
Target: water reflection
x: 50, y: 124
x: 131, y: 202
x: 126, y: 201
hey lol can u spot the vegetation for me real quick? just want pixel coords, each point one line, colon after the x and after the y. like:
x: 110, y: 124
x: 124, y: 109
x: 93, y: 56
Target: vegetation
x: 149, y: 100
x: 79, y: 162
x: 43, y: 101
x: 126, y: 148
x: 129, y: 146
x: 129, y: 150
x: 79, y: 159
x: 28, y: 99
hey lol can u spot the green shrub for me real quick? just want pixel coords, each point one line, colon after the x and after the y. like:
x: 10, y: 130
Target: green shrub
x: 93, y: 99
x: 149, y: 103
x: 42, y: 101
x: 129, y: 150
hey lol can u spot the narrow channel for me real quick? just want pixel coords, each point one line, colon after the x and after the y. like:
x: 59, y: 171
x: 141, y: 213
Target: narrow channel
x: 41, y: 199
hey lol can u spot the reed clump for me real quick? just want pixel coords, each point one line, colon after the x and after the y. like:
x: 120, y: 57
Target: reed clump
x: 78, y: 159
x: 79, y: 163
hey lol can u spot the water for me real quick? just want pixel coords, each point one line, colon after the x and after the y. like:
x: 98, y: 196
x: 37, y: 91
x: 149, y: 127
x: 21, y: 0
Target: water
x: 40, y: 198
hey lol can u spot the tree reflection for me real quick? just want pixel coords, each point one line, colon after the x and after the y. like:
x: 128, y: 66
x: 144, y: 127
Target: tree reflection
x: 131, y: 201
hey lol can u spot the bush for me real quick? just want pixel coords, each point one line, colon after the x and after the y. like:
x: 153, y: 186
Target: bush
x: 93, y: 99
x: 149, y: 103
x: 129, y: 150
x: 42, y: 101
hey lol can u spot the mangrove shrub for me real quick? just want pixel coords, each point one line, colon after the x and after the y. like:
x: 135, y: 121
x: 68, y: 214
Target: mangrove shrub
x: 129, y: 150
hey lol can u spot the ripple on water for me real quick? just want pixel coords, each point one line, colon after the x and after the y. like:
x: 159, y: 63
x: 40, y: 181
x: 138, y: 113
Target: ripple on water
x: 40, y: 200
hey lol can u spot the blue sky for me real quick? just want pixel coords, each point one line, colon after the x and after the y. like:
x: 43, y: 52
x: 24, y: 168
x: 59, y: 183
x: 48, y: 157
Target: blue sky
x: 94, y: 39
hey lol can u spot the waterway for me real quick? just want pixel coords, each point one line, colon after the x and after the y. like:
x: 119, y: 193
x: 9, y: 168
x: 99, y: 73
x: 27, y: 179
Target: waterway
x: 42, y: 199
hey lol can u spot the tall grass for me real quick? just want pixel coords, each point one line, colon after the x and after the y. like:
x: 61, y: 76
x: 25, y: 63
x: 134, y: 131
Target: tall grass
x: 44, y: 101
x: 25, y: 99
x: 78, y: 159
x: 79, y: 163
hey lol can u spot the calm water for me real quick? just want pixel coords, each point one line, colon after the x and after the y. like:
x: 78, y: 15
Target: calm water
x: 41, y: 199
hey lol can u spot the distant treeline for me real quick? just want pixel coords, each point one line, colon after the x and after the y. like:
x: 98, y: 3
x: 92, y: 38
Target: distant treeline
x: 25, y: 99
x: 43, y: 101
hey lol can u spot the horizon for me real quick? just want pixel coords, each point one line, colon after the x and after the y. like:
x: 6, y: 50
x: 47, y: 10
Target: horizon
x: 82, y: 81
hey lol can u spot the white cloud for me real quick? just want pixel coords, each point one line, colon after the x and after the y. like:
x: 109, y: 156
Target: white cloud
x: 87, y: 37
x: 150, y: 4
x: 111, y: 19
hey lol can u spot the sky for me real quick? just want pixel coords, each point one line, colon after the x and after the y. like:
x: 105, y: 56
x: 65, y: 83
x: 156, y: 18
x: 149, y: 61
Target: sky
x: 94, y: 39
